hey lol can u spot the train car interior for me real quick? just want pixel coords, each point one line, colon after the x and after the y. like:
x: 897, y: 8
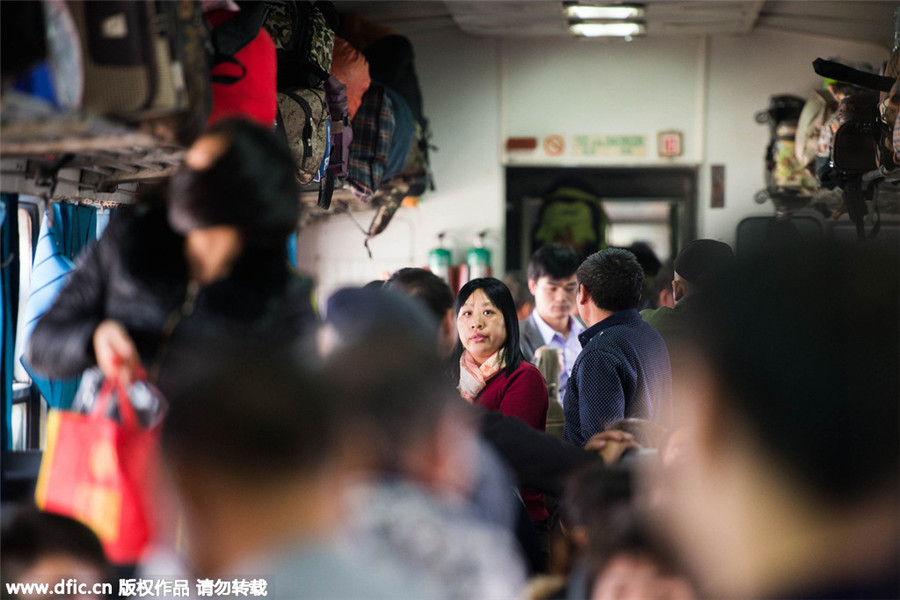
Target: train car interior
x: 526, y: 123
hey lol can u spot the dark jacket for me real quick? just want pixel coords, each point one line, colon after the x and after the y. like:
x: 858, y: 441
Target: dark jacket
x: 540, y: 461
x: 137, y: 274
x: 623, y: 371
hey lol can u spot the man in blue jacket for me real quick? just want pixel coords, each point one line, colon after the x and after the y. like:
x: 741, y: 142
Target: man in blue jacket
x: 623, y: 369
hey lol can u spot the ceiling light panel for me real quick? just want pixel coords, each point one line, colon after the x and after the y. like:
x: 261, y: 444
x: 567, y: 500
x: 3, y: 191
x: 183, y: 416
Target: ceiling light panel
x: 626, y: 30
x: 619, y: 12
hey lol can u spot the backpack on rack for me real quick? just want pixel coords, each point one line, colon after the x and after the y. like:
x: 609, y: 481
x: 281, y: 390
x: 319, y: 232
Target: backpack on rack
x: 404, y: 130
x: 392, y: 62
x: 303, y: 119
x: 303, y: 33
x: 817, y: 109
x: 350, y: 66
x: 572, y: 216
x: 244, y: 68
x: 848, y: 144
x: 889, y: 110
x: 141, y: 60
x: 788, y: 183
x: 373, y: 129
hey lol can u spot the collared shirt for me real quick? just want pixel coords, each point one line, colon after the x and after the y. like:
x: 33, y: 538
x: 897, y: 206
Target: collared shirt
x: 571, y: 347
x: 623, y: 371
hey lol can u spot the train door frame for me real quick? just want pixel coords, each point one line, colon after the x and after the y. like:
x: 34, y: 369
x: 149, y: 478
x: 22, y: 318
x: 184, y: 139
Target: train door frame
x: 678, y: 184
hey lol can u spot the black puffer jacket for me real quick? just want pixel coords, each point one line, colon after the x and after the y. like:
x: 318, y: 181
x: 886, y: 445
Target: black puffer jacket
x: 137, y: 274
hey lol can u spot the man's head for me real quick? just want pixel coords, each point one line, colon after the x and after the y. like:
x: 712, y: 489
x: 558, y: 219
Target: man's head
x: 698, y: 264
x: 610, y: 280
x: 45, y: 548
x: 252, y: 446
x: 792, y: 394
x: 551, y: 279
x: 435, y: 294
x: 356, y: 314
x: 401, y: 410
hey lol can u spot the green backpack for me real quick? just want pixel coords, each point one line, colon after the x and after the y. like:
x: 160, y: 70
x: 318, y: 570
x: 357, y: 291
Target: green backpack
x: 573, y: 217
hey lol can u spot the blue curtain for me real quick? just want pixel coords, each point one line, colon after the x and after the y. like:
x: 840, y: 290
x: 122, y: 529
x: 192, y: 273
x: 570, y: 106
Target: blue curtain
x: 9, y: 295
x: 65, y: 231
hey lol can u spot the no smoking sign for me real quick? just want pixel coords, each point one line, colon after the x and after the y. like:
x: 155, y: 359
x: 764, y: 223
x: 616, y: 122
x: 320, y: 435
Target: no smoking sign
x: 554, y: 145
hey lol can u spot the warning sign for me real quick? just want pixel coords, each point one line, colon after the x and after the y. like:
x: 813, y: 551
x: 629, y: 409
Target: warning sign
x: 554, y: 145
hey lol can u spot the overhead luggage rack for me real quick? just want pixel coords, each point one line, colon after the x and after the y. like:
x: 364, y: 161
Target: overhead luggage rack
x: 75, y: 153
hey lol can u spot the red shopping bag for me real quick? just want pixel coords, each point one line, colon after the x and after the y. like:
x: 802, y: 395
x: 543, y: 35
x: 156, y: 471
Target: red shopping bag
x: 102, y: 472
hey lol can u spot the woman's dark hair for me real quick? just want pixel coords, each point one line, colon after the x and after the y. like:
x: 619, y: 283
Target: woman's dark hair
x: 251, y: 185
x: 501, y: 297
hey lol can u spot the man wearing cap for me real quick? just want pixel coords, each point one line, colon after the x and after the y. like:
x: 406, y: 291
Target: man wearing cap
x: 698, y: 264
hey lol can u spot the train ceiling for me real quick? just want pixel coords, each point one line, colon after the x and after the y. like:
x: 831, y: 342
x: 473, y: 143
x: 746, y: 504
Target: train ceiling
x: 861, y: 20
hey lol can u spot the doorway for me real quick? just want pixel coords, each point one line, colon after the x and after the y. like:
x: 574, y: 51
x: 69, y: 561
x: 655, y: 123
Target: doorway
x: 653, y: 205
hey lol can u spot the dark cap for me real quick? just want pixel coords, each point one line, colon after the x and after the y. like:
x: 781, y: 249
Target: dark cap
x: 701, y: 261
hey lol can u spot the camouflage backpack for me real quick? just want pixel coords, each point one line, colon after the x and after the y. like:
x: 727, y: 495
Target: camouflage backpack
x: 303, y: 119
x: 303, y: 33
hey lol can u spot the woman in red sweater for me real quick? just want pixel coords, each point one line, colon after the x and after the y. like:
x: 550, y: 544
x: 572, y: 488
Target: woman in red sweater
x: 491, y: 369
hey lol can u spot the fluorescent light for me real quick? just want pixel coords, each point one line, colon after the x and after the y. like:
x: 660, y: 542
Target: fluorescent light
x: 608, y: 29
x: 620, y: 12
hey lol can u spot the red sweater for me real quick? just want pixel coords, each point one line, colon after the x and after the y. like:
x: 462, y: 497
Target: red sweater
x: 523, y: 395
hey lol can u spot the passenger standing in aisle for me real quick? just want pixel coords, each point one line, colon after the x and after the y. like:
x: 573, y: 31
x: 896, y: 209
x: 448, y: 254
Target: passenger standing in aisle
x: 697, y: 266
x: 202, y: 259
x: 623, y: 370
x: 539, y: 460
x: 551, y: 279
x: 490, y: 367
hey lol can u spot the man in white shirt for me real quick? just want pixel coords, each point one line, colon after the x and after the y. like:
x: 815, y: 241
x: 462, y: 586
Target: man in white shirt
x: 551, y: 279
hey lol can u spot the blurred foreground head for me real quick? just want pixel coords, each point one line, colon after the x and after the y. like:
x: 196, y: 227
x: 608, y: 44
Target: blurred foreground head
x: 434, y: 293
x: 40, y: 547
x: 238, y: 174
x: 252, y: 448
x: 793, y: 390
x: 355, y: 317
x: 386, y: 373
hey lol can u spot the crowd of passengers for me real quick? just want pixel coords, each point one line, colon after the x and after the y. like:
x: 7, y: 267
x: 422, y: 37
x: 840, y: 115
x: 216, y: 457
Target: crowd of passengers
x: 738, y: 437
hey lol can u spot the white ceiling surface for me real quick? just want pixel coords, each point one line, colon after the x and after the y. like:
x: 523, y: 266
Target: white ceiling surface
x: 860, y: 20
